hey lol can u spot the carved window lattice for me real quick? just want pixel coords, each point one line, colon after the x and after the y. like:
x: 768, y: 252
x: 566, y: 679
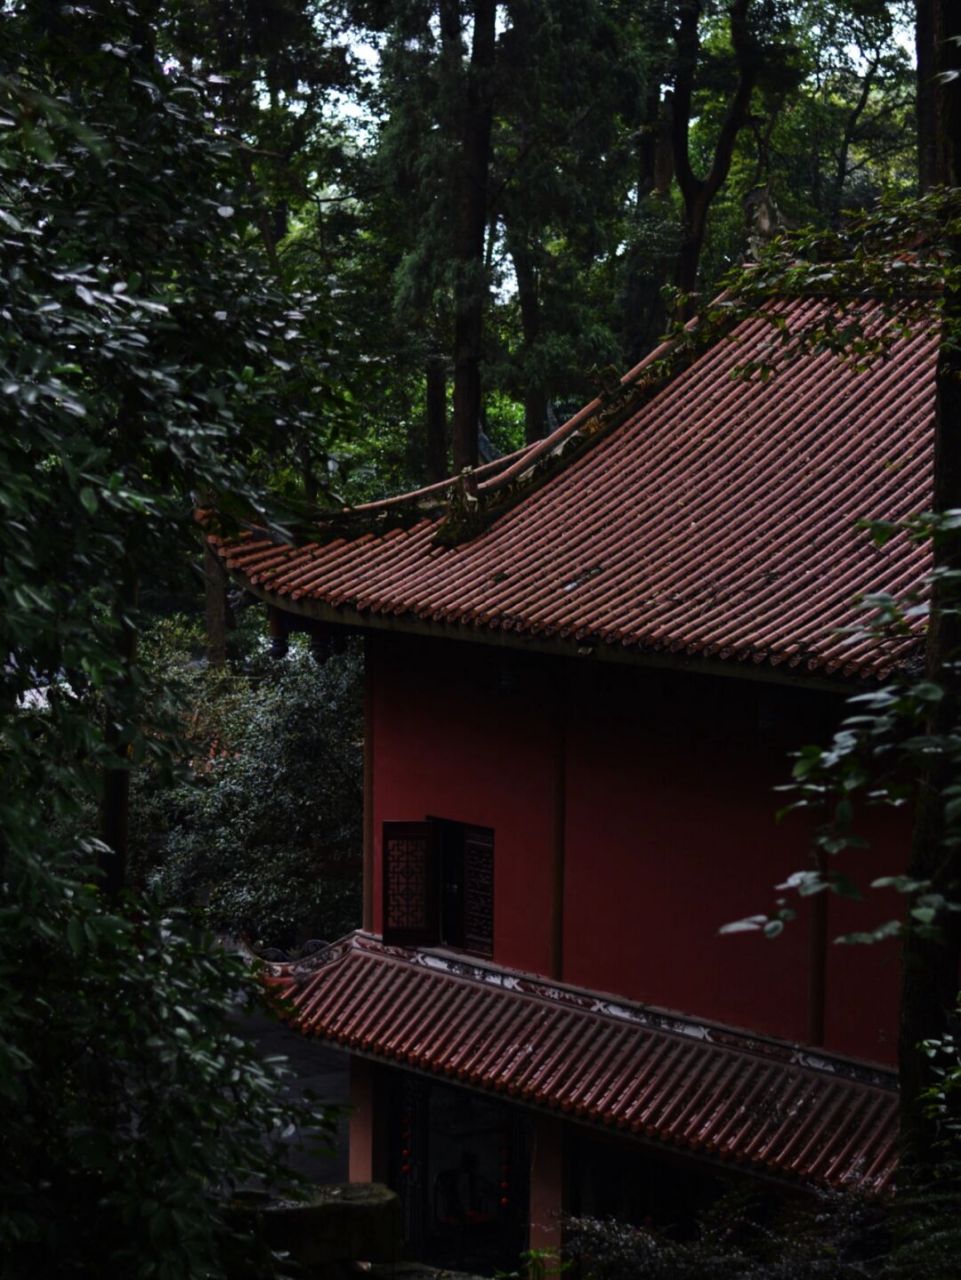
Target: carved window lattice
x: 479, y: 893
x: 406, y: 883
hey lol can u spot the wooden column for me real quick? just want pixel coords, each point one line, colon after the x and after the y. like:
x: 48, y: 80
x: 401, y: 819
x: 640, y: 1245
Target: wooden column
x: 368, y: 902
x: 818, y: 963
x: 559, y: 842
x: 121, y: 710
x: 547, y: 1183
x: 278, y: 630
x: 363, y: 1161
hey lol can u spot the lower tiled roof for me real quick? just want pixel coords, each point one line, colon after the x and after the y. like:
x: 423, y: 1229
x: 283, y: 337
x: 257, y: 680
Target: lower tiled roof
x: 751, y: 1101
x: 710, y: 517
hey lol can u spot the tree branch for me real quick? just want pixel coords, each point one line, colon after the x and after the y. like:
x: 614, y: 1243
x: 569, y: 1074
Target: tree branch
x: 746, y: 53
x: 688, y: 44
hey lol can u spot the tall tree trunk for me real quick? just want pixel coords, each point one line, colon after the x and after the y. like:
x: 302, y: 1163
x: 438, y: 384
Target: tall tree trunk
x: 929, y: 972
x: 115, y: 793
x: 215, y: 601
x: 928, y: 39
x: 655, y: 154
x: 308, y: 472
x: 647, y: 145
x: 847, y: 142
x: 470, y: 288
x: 689, y: 253
x: 696, y: 192
x: 436, y: 416
x: 114, y: 820
x: 535, y: 395
x: 930, y: 966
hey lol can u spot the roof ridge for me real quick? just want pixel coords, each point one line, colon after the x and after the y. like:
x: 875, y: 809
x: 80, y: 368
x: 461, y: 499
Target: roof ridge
x: 606, y: 1004
x: 460, y: 503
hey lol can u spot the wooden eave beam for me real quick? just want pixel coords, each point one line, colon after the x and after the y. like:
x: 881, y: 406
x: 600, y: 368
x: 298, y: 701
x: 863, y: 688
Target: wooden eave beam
x: 635, y: 656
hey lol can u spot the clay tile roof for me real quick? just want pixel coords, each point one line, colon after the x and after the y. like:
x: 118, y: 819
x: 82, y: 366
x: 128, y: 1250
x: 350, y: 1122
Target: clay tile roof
x: 712, y: 516
x: 755, y: 1102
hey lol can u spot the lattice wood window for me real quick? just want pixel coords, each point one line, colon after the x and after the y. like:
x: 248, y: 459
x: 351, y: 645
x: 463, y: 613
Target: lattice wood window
x: 410, y: 883
x: 479, y: 890
x: 439, y: 885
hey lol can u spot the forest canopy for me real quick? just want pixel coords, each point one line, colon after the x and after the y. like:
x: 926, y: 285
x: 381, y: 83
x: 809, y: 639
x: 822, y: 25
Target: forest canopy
x: 491, y: 199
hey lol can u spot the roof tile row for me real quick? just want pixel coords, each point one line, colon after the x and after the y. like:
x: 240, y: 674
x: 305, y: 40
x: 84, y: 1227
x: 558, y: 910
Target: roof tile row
x: 717, y: 520
x: 757, y: 1103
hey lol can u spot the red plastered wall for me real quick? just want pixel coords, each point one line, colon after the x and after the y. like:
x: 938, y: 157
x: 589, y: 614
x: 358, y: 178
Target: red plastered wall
x: 863, y: 980
x: 671, y: 781
x: 465, y: 733
x: 672, y: 786
x: 670, y: 827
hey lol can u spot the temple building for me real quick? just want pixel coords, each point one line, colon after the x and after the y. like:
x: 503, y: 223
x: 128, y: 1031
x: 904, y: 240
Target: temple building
x: 586, y: 666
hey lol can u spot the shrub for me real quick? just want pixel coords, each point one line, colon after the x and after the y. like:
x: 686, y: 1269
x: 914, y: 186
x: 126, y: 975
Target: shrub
x: 262, y: 831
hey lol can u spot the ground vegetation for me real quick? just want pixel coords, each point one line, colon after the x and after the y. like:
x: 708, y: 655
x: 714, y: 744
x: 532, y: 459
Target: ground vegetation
x: 757, y: 1236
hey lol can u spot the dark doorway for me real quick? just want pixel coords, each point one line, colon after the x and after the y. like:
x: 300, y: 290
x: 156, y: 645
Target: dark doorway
x: 459, y: 1161
x: 640, y: 1187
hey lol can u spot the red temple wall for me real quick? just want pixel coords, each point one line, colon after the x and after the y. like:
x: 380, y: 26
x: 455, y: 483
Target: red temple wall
x: 451, y: 741
x: 673, y: 778
x: 669, y: 827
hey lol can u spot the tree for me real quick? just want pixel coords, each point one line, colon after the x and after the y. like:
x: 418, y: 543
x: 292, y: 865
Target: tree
x: 773, y: 114
x: 572, y: 78
x: 143, y: 360
x: 435, y: 152
x: 930, y: 963
x: 698, y: 192
x: 583, y: 218
x: 471, y: 222
x: 271, y: 68
x: 832, y: 134
x: 262, y: 834
x: 503, y: 170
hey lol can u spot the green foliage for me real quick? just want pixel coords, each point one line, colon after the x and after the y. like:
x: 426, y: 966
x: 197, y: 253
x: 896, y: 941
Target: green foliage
x: 358, y: 191
x: 202, y: 282
x: 828, y: 1236
x: 134, y: 1107
x: 832, y: 127
x: 943, y: 1097
x: 538, y: 1264
x: 563, y: 171
x: 263, y: 830
x: 903, y: 741
x: 742, y: 1237
x: 872, y: 761
x: 899, y: 252
x: 926, y: 1237
x: 144, y: 355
